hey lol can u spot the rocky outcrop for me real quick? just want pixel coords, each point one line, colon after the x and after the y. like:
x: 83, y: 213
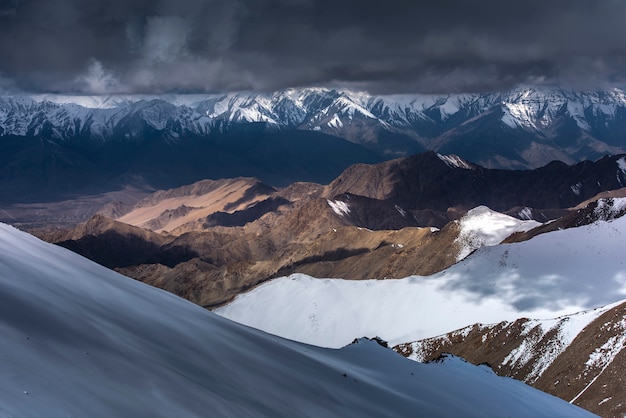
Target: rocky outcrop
x: 579, y: 358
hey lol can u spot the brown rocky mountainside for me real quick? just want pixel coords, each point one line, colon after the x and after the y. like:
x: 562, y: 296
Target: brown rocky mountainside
x: 175, y: 209
x: 580, y: 358
x: 212, y: 240
x: 422, y: 190
x: 211, y: 267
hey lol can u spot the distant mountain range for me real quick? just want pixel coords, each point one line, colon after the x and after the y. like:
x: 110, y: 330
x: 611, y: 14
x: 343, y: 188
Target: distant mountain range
x: 61, y: 144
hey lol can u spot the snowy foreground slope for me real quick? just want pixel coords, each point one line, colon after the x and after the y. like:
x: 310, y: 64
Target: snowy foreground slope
x: 80, y: 340
x: 553, y: 274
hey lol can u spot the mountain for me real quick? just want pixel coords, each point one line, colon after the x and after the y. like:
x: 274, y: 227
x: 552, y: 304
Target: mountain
x: 552, y: 274
x: 434, y: 182
x: 578, y: 357
x: 81, y: 340
x: 169, y: 210
x: 426, y: 189
x: 93, y: 143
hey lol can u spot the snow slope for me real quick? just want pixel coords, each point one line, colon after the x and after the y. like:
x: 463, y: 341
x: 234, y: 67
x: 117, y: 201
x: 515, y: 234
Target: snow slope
x: 482, y: 226
x: 80, y: 340
x: 553, y: 274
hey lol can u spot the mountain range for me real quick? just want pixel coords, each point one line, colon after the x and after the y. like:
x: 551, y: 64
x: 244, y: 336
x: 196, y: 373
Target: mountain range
x: 212, y: 240
x: 64, y: 144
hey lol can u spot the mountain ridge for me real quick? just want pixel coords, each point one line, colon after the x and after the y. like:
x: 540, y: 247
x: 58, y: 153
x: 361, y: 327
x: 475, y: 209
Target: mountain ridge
x: 578, y: 357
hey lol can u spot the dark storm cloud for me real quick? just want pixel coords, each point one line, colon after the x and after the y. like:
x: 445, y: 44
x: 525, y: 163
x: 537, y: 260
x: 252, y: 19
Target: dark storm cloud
x: 102, y: 46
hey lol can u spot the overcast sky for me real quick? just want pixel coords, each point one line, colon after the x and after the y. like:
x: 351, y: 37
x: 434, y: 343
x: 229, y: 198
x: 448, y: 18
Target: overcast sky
x: 386, y: 46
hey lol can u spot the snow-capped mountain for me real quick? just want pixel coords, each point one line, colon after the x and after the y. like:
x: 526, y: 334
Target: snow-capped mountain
x: 482, y: 226
x: 81, y: 340
x: 534, y: 124
x: 95, y: 144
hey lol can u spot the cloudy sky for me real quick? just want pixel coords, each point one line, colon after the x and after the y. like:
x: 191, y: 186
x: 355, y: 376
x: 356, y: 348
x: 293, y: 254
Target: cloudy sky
x: 386, y: 46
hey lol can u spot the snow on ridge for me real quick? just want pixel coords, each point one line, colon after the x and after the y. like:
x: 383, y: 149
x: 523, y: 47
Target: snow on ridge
x: 565, y: 329
x: 335, y: 122
x: 482, y: 226
x: 525, y: 214
x: 525, y: 107
x: 454, y: 161
x: 621, y: 164
x: 610, y: 208
x: 339, y: 207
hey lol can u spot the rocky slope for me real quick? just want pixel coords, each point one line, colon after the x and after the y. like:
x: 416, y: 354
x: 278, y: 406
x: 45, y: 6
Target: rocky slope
x: 211, y: 266
x: 579, y: 358
x: 423, y: 190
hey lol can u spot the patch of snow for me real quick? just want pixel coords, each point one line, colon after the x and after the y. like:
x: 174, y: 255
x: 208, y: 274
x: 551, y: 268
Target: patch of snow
x: 454, y: 161
x: 621, y: 164
x: 576, y: 188
x: 401, y: 211
x: 482, y: 226
x: 335, y: 122
x: 610, y: 208
x: 608, y: 351
x: 339, y: 207
x: 603, y: 356
x: 525, y: 214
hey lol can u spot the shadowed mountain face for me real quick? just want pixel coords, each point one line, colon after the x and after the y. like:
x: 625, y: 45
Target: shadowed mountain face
x: 40, y: 167
x: 435, y: 182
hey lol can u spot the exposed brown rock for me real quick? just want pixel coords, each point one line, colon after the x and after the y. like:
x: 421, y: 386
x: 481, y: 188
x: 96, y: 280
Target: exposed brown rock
x: 589, y: 371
